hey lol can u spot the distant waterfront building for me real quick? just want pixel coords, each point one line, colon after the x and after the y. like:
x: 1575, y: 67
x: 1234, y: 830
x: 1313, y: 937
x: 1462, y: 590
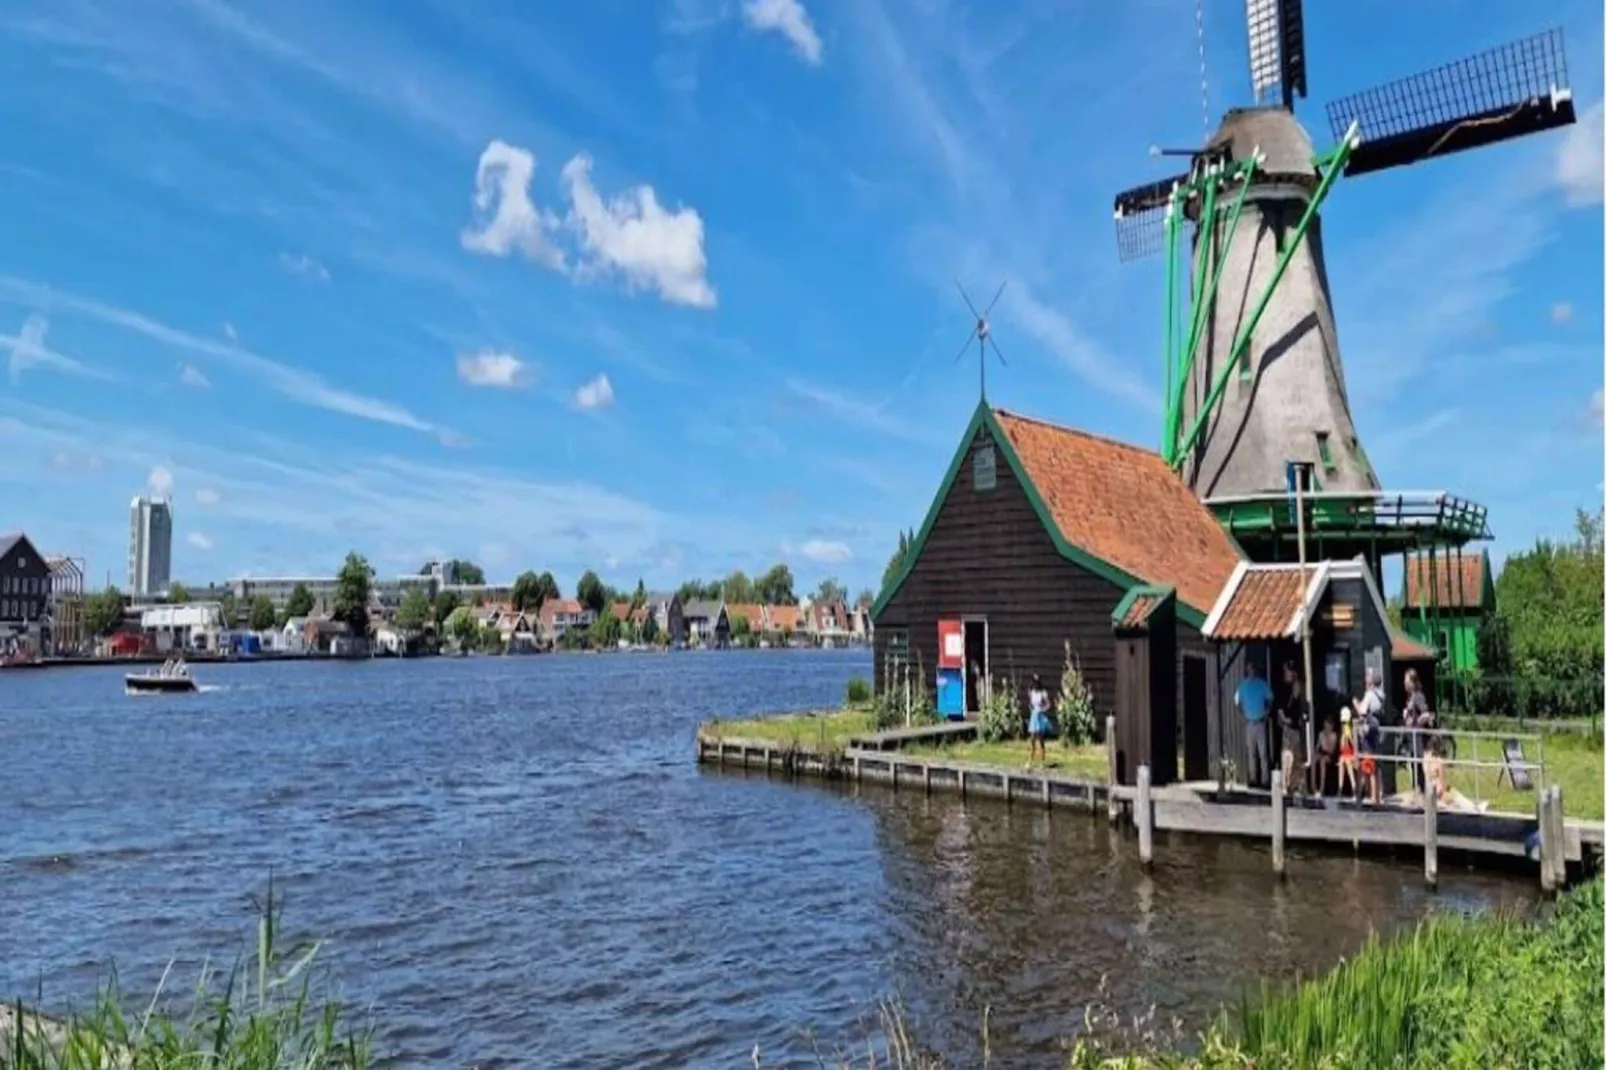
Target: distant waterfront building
x: 388, y: 593
x: 150, y: 545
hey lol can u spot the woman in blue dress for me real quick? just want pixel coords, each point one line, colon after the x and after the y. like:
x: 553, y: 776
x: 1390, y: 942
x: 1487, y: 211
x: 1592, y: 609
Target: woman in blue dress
x: 1038, y: 728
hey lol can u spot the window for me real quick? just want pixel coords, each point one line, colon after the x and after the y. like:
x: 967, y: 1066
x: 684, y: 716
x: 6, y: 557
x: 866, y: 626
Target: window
x: 984, y: 467
x: 897, y: 648
x: 1325, y: 452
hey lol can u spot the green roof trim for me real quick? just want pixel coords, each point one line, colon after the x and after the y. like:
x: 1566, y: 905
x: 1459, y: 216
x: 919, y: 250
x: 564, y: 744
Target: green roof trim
x: 1158, y: 592
x: 983, y: 418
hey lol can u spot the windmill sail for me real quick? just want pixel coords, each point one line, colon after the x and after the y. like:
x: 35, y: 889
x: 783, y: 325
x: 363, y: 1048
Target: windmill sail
x: 1517, y: 89
x: 1276, y: 48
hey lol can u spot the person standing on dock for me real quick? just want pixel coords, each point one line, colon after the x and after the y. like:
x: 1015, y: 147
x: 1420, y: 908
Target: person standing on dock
x: 1291, y: 725
x: 1253, y: 699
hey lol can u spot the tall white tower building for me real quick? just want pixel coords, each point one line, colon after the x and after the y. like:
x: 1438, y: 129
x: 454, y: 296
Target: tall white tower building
x: 150, y: 545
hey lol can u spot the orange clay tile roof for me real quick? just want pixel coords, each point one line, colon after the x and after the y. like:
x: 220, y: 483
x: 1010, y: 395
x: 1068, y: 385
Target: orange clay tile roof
x: 1264, y: 604
x: 1408, y: 649
x: 786, y: 618
x: 1138, y: 611
x: 753, y: 614
x: 1124, y: 506
x: 620, y: 611
x: 1424, y: 575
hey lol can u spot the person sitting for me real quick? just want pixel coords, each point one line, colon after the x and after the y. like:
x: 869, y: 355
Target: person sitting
x: 1438, y: 781
x: 1326, y: 754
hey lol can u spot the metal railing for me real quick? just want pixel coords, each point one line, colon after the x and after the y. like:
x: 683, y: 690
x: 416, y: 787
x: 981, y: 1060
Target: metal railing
x: 1450, y: 739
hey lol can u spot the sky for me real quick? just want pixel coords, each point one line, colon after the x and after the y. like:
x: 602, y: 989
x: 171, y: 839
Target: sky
x: 665, y: 288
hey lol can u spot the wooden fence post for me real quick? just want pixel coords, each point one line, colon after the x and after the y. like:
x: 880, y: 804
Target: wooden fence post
x: 1279, y: 821
x: 1109, y: 750
x: 1559, y: 820
x: 1144, y: 815
x: 1430, y: 835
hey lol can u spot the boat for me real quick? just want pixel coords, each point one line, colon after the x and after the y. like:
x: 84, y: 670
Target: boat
x: 172, y: 678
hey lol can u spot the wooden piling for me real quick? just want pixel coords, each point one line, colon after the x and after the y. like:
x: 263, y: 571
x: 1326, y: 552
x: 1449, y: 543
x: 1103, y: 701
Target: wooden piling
x: 1547, y: 843
x: 1143, y: 814
x: 1279, y: 821
x: 1009, y: 790
x: 1558, y: 820
x: 1430, y: 836
x: 1109, y: 750
x: 925, y: 772
x: 1048, y: 802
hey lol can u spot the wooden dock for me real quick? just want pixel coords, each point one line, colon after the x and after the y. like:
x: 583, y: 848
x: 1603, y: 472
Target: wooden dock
x: 1197, y: 809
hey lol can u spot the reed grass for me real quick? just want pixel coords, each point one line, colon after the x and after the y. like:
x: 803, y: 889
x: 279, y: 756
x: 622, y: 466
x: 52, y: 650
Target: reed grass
x: 268, y: 1012
x: 823, y: 730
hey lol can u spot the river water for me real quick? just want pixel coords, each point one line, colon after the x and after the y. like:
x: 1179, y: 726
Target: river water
x: 517, y: 862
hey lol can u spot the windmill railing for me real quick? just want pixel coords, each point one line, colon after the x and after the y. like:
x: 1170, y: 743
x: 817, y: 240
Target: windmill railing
x: 1426, y: 512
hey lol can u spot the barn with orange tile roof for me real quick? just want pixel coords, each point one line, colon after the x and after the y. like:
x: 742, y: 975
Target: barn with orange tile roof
x: 1037, y: 532
x: 1447, y: 598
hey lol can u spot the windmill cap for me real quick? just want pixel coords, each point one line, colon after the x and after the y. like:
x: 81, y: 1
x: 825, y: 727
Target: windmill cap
x: 1284, y: 146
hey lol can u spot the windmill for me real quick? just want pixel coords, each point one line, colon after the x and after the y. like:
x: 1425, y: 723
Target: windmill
x: 981, y: 334
x: 1254, y: 378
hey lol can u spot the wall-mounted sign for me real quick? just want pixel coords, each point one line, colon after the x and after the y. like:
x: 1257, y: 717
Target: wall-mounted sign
x: 1339, y: 615
x: 950, y: 644
x: 984, y: 467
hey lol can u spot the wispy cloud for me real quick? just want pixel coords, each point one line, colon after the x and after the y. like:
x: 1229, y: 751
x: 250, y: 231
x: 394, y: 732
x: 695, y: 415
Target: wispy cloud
x: 199, y: 541
x: 28, y: 351
x: 294, y: 383
x: 597, y: 394
x: 1581, y: 158
x: 631, y: 235
x: 160, y: 481
x: 1561, y: 313
x: 826, y: 552
x: 192, y: 376
x: 491, y: 368
x: 304, y: 265
x: 208, y: 496
x: 858, y: 413
x: 789, y: 19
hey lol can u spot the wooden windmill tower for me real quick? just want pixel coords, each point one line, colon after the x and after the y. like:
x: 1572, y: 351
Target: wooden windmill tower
x: 1254, y: 377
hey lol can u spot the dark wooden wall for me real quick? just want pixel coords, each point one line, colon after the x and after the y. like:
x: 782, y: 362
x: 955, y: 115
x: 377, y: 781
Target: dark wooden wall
x: 1148, y: 683
x: 987, y: 554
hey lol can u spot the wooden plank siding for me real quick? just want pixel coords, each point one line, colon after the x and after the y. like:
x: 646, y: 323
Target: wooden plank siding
x: 988, y: 555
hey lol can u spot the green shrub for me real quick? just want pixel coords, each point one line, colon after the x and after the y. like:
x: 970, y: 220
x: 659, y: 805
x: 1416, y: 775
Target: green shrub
x: 1075, y: 711
x: 858, y: 691
x: 1001, y: 717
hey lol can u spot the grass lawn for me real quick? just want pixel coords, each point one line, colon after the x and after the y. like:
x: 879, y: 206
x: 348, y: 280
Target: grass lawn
x: 820, y: 729
x: 1087, y: 763
x: 1572, y: 759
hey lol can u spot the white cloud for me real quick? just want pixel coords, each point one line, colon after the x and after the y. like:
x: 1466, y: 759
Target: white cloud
x: 1581, y: 158
x: 302, y: 386
x: 66, y: 462
x: 194, y: 377
x: 199, y: 541
x: 511, y: 220
x: 229, y: 332
x: 788, y: 18
x: 862, y: 414
x: 160, y: 482
x: 1060, y: 336
x: 304, y: 265
x: 631, y: 234
x: 826, y: 552
x: 597, y: 394
x: 490, y: 368
x: 208, y: 496
x: 28, y: 350
x: 634, y: 235
x: 1561, y: 312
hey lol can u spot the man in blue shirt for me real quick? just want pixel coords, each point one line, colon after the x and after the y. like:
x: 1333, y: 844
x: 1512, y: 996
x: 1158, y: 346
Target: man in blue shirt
x: 1254, y: 701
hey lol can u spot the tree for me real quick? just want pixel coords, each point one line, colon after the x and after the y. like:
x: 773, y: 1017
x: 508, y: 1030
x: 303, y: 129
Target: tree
x: 831, y: 591
x: 866, y: 599
x: 606, y: 630
x: 639, y: 599
x: 103, y: 611
x: 698, y: 590
x: 738, y: 589
x: 468, y: 573
x: 527, y: 592
x: 546, y: 585
x: 774, y: 588
x: 490, y: 638
x: 177, y: 592
x: 462, y: 627
x: 446, y: 603
x: 353, y: 585
x: 649, y: 630
x: 895, y: 564
x: 301, y: 602
x: 263, y: 615
x: 741, y: 627
x: 414, y: 611
x: 591, y: 593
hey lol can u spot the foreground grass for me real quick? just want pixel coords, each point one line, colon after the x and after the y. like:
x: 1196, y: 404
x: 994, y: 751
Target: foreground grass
x: 1501, y: 992
x: 1089, y: 762
x: 264, y: 1014
x: 821, y: 730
